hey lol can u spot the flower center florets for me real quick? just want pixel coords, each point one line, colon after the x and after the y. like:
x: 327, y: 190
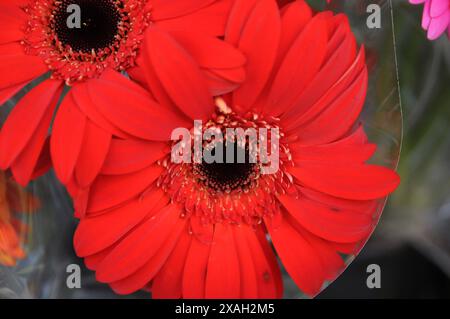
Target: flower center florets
x: 228, y: 169
x: 79, y: 39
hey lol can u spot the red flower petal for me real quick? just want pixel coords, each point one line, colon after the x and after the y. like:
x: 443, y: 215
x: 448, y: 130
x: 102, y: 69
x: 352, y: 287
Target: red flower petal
x: 10, y: 34
x: 35, y: 159
x: 131, y: 109
x: 86, y: 105
x: 16, y: 69
x: 44, y: 162
x: 195, y: 269
x: 209, y: 52
x: 239, y: 15
x: 329, y: 256
x: 12, y: 23
x: 342, y: 44
x: 333, y: 153
x: 218, y: 85
x: 12, y: 49
x: 349, y: 249
x: 127, y: 156
x: 80, y: 198
x: 96, y: 143
x: 68, y: 130
x: 133, y: 252
x: 294, y: 18
x: 179, y: 74
x: 340, y: 68
x: 147, y: 272
x: 339, y: 117
x: 338, y: 226
x: 259, y: 42
x: 146, y: 73
x: 337, y: 204
x: 270, y: 280
x: 210, y: 20
x: 236, y: 75
x: 18, y: 3
x: 6, y: 94
x: 167, y: 283
x: 163, y: 9
x: 214, y: 55
x: 299, y: 66
x: 94, y: 260
x: 302, y: 263
x: 109, y: 191
x: 115, y: 224
x: 30, y: 116
x: 358, y: 182
x: 249, y: 273
x: 223, y: 277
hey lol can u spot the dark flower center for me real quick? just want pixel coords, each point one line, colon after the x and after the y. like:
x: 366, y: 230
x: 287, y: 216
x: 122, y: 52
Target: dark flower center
x: 231, y: 182
x: 230, y: 174
x: 98, y: 28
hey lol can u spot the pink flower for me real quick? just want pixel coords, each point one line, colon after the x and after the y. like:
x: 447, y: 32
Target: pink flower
x: 436, y: 17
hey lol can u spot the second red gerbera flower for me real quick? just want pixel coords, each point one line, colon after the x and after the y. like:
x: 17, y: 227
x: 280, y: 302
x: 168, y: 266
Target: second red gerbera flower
x: 199, y: 229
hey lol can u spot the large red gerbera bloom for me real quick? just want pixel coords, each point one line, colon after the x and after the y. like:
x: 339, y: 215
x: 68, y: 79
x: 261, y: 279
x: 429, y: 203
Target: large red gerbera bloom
x: 37, y: 38
x: 199, y: 230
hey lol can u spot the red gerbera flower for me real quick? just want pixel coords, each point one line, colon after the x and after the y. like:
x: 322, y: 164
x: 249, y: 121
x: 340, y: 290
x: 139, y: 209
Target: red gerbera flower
x: 199, y: 230
x: 37, y: 39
